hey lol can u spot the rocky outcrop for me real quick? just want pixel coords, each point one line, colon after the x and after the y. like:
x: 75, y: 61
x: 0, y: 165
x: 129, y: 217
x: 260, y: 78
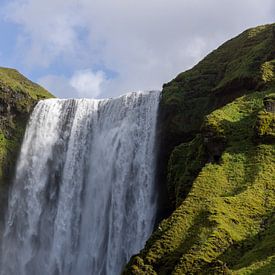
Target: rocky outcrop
x: 269, y: 103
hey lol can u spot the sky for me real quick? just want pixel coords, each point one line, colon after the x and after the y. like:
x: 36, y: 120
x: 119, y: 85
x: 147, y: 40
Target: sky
x: 105, y: 48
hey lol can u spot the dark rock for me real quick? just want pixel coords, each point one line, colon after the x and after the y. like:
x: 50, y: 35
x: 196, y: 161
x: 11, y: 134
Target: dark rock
x: 269, y: 103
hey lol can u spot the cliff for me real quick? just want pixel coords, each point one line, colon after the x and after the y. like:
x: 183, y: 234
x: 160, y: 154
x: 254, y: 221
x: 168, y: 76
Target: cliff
x: 217, y: 131
x: 216, y: 162
x: 18, y: 95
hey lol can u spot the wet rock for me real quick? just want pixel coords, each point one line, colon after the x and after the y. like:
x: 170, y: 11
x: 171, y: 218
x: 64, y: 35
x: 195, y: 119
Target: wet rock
x: 269, y: 103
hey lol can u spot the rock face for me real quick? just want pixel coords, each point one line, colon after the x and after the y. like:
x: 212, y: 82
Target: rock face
x: 218, y: 163
x: 18, y: 96
x: 269, y: 103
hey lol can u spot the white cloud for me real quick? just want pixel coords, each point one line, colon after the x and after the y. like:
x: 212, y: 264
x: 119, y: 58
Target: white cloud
x: 49, y: 29
x: 88, y: 83
x: 84, y: 83
x: 145, y: 42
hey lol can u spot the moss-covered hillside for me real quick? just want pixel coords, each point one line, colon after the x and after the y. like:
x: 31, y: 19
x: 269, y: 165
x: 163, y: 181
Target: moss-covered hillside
x: 18, y: 95
x: 218, y: 145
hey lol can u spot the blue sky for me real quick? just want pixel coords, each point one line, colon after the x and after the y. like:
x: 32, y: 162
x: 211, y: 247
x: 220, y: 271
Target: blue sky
x: 104, y: 48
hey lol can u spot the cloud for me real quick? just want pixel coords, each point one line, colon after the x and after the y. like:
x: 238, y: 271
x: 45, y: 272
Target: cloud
x: 88, y: 83
x: 48, y: 29
x: 146, y: 43
x: 84, y: 83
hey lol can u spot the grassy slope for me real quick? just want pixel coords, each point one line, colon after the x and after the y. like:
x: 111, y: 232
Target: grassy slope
x: 221, y: 174
x: 18, y: 96
x: 240, y: 65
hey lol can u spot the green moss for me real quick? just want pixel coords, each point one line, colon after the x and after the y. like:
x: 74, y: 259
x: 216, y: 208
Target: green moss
x: 225, y: 218
x: 18, y: 95
x: 221, y: 179
x: 241, y: 65
x: 185, y: 163
x: 270, y: 97
x: 12, y: 79
x: 265, y: 127
x: 268, y: 71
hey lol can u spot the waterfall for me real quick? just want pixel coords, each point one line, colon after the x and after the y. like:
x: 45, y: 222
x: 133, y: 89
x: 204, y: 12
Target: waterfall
x: 83, y: 200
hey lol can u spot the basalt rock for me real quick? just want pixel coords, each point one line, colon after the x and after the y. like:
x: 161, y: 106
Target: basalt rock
x: 269, y: 103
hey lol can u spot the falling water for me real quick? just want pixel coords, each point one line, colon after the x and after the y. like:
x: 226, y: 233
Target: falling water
x: 83, y: 198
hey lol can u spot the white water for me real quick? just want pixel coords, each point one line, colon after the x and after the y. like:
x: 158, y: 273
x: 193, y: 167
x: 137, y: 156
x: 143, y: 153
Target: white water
x: 83, y: 199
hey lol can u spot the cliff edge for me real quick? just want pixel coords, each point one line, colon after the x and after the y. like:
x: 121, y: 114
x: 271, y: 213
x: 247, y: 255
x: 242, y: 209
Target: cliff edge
x: 18, y: 96
x: 218, y: 163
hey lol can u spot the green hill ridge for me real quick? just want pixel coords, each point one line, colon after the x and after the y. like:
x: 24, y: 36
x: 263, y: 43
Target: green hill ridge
x: 218, y: 160
x: 18, y: 95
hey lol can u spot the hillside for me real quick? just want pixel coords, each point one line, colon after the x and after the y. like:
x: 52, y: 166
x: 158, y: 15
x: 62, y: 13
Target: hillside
x: 218, y: 163
x: 18, y: 95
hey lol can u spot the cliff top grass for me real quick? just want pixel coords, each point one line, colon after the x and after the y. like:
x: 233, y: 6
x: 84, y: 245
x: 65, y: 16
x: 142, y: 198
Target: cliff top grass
x: 242, y: 64
x: 20, y: 91
x: 11, y: 78
x: 18, y: 95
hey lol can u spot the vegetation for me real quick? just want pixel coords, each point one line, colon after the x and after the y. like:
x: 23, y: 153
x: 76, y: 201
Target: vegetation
x: 18, y: 95
x: 241, y: 65
x: 221, y: 170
